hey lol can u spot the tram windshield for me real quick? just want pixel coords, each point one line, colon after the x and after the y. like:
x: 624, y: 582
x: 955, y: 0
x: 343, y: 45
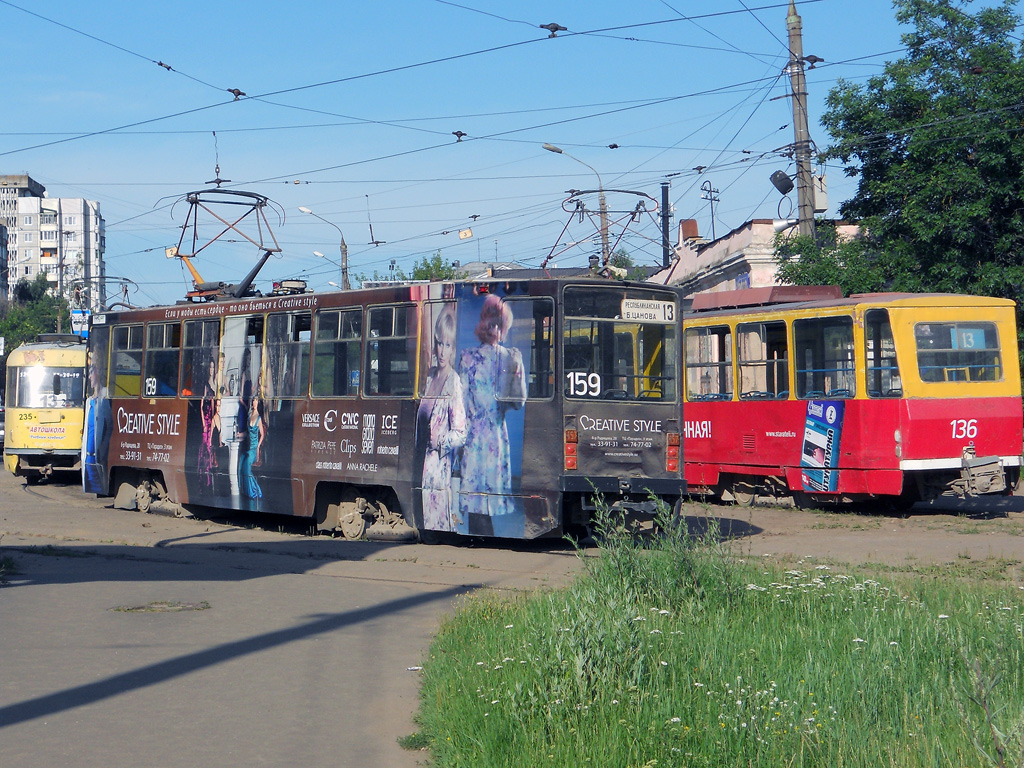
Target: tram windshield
x: 43, y: 386
x: 952, y: 351
x: 619, y: 344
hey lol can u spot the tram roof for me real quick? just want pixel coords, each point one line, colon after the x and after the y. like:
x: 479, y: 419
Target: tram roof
x: 396, y: 291
x: 773, y: 298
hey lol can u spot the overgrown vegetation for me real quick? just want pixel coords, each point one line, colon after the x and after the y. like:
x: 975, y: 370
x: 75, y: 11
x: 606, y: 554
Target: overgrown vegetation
x: 676, y: 652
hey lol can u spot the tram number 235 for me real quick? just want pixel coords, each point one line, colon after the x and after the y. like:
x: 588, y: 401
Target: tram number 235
x: 583, y: 384
x: 964, y: 428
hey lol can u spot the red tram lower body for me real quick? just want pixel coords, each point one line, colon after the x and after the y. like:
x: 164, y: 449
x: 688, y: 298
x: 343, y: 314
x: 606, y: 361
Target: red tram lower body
x: 849, y: 450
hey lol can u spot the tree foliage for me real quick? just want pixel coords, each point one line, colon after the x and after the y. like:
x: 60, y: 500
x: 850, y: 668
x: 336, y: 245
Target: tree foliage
x: 34, y: 310
x: 827, y: 260
x: 623, y: 260
x: 435, y: 268
x: 937, y: 141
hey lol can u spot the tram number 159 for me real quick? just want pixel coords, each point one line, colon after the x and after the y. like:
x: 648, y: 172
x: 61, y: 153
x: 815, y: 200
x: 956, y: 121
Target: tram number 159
x: 964, y: 428
x: 582, y: 384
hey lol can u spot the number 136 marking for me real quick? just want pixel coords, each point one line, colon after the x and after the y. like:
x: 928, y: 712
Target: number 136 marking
x: 964, y: 428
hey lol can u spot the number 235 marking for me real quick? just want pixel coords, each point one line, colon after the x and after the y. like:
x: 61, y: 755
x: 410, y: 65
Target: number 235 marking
x: 964, y: 428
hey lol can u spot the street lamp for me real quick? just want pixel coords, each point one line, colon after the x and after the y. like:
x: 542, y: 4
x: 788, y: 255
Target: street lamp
x: 332, y: 261
x: 344, y: 248
x: 601, y: 201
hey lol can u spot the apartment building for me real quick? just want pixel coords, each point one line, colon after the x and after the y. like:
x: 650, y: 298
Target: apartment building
x: 63, y: 238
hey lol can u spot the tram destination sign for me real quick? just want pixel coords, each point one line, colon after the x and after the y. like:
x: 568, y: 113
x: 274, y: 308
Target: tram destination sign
x: 648, y: 311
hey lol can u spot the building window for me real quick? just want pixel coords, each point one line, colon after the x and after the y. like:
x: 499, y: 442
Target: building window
x: 47, y: 218
x: 48, y: 234
x: 69, y: 221
x: 27, y: 236
x: 29, y: 253
x: 27, y: 221
x: 71, y: 237
x: 28, y: 270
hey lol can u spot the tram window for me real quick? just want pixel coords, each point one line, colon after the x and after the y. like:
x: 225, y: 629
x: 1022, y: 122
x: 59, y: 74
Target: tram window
x: 964, y: 351
x: 709, y: 363
x: 99, y: 348
x: 607, y: 355
x: 880, y: 367
x: 288, y: 340
x: 160, y: 371
x: 46, y: 386
x: 531, y: 333
x: 390, y: 351
x: 824, y: 356
x: 336, y: 356
x: 126, y: 361
x: 201, y: 374
x: 241, y: 353
x: 762, y: 352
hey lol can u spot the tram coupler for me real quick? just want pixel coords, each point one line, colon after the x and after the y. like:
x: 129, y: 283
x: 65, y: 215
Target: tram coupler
x: 982, y: 475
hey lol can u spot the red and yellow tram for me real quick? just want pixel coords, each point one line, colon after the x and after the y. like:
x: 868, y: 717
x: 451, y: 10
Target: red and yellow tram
x: 797, y: 392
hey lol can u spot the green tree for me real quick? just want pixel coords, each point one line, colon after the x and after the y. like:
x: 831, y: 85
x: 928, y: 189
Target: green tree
x: 828, y: 260
x: 34, y: 310
x: 936, y: 141
x: 623, y: 260
x: 435, y: 268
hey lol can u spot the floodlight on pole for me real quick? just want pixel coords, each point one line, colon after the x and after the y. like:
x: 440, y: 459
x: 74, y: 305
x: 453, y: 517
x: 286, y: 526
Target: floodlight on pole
x: 344, y: 247
x: 605, y: 255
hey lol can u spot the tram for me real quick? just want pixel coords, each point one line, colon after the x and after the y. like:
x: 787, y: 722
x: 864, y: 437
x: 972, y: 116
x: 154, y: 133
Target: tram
x: 486, y: 408
x: 44, y: 403
x: 795, y: 392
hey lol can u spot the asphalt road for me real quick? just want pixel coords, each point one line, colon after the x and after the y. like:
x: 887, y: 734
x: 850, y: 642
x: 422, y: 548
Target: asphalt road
x: 141, y: 640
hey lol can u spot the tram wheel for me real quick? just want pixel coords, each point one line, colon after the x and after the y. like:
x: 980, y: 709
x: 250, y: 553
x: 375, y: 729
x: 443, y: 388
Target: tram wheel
x: 743, y: 494
x: 351, y: 521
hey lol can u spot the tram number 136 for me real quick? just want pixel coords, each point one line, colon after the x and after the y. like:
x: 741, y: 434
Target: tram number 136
x: 964, y: 428
x: 582, y: 384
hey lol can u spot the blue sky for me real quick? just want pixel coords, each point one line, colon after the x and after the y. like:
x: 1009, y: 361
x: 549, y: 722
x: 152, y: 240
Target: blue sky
x: 350, y: 110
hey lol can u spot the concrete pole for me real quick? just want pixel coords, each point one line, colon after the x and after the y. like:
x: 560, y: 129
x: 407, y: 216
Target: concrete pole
x: 666, y: 217
x: 801, y: 137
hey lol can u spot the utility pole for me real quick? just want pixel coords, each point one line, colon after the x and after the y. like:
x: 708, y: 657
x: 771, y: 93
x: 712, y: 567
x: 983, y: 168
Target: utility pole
x: 802, y: 137
x: 666, y: 218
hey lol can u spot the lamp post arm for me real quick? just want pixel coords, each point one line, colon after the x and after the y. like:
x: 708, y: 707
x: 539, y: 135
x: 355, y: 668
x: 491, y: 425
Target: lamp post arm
x: 344, y: 247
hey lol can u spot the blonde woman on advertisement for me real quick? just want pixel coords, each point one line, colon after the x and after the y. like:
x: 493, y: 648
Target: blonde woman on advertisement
x: 441, y: 427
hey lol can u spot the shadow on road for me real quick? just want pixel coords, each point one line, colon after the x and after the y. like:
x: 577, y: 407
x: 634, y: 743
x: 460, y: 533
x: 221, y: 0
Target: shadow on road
x: 154, y: 674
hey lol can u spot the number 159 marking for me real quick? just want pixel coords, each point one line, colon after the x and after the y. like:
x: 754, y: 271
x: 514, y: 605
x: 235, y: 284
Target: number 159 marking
x: 964, y: 428
x: 581, y: 383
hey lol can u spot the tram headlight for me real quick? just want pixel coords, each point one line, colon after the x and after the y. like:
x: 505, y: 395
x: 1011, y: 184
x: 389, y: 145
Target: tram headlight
x: 899, y: 444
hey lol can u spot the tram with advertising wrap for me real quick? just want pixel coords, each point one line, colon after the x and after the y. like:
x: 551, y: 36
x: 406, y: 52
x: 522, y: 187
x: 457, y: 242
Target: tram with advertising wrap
x: 477, y: 408
x: 796, y: 392
x: 43, y: 402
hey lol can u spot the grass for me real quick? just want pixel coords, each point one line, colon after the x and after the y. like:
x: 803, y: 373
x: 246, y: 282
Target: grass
x: 8, y: 568
x: 677, y: 652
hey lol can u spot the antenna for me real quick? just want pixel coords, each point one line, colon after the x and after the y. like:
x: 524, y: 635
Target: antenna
x: 373, y: 240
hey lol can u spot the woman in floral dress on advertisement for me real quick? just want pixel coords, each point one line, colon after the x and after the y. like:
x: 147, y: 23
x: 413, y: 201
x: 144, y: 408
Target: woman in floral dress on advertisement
x: 441, y: 428
x: 494, y: 381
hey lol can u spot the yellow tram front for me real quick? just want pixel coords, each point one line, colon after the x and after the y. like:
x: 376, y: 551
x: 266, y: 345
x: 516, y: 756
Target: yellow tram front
x: 44, y: 403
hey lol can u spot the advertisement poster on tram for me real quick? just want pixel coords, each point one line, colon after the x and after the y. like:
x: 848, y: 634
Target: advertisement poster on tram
x: 469, y: 426
x: 819, y: 458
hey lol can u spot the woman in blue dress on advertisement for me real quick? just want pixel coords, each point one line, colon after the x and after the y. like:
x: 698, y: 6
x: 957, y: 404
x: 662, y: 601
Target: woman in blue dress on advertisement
x: 252, y: 431
x: 494, y: 381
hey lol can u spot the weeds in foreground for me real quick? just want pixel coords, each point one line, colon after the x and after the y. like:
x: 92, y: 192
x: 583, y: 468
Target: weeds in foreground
x: 672, y: 651
x: 8, y: 567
